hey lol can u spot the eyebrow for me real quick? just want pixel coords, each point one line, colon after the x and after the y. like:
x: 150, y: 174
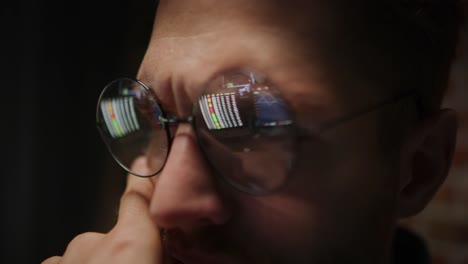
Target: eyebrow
x: 310, y: 99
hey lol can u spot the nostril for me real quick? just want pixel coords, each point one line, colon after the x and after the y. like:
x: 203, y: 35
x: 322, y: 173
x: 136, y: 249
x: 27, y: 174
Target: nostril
x: 187, y: 212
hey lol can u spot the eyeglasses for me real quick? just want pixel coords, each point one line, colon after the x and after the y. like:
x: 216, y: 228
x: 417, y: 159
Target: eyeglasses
x: 244, y: 128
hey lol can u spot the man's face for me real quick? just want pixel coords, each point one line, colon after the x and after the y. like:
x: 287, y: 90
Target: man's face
x: 338, y: 205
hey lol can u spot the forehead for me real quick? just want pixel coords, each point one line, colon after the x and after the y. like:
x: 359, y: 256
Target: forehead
x: 193, y: 41
x: 241, y: 28
x: 195, y: 16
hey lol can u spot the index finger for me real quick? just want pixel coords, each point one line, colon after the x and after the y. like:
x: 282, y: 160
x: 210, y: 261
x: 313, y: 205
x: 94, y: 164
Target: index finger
x: 134, y: 224
x: 136, y: 198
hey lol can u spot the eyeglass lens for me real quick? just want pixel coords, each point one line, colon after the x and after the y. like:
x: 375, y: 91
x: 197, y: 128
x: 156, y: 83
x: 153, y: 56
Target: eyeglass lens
x: 128, y: 118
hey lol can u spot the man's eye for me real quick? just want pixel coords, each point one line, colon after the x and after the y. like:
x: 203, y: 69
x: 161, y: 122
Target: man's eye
x: 241, y: 102
x: 246, y: 130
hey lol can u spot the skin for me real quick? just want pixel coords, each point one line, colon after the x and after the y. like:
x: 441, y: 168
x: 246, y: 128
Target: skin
x: 345, y: 194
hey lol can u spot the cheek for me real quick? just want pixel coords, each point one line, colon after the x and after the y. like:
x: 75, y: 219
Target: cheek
x: 358, y: 191
x: 337, y: 203
x: 279, y: 223
x: 357, y: 176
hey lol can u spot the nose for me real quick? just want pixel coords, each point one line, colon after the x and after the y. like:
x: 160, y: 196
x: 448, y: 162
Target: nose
x: 186, y: 193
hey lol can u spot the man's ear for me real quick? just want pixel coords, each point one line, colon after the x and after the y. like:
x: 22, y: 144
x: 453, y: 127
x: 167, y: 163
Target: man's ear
x: 425, y: 161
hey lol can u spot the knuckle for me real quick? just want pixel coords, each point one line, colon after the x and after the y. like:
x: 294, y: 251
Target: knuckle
x: 83, y: 239
x: 122, y: 244
x: 142, y: 186
x: 132, y: 194
x: 127, y: 240
x: 52, y: 260
x: 119, y: 244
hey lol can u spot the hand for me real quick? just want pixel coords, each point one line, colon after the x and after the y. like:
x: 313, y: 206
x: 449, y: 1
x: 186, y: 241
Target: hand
x: 134, y: 239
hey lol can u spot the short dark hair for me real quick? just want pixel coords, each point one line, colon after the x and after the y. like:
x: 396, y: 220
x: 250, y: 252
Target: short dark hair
x: 385, y: 48
x: 392, y: 46
x: 436, y: 25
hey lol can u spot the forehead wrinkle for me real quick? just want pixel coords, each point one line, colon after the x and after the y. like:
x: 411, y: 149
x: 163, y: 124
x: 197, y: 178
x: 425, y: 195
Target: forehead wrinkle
x: 162, y: 35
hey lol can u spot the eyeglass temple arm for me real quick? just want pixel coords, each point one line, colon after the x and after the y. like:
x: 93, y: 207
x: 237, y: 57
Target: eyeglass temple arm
x: 391, y: 100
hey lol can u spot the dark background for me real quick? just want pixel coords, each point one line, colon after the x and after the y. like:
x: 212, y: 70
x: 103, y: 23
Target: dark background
x: 57, y: 179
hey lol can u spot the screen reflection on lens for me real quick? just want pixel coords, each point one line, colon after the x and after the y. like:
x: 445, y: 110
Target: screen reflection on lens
x: 246, y: 131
